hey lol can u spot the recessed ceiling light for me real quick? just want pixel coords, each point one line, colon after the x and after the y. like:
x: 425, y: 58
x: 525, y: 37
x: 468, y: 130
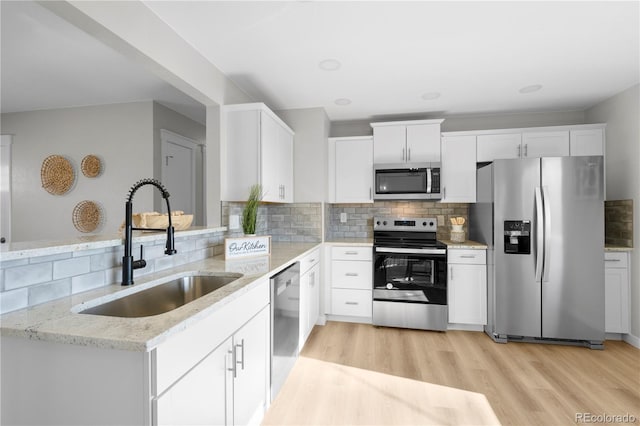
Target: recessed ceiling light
x: 342, y: 101
x: 430, y: 96
x: 329, y: 64
x: 531, y: 89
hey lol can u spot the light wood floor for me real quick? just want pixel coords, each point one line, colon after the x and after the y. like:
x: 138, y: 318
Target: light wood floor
x: 359, y: 374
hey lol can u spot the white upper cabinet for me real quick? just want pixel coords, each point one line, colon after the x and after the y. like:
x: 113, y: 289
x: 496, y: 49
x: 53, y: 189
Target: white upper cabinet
x: 498, y: 147
x: 406, y: 141
x: 259, y: 149
x: 545, y: 144
x: 351, y: 170
x: 586, y: 142
x: 535, y: 142
x: 459, y: 169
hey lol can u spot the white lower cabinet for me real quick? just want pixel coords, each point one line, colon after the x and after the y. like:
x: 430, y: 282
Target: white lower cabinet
x: 309, y: 294
x: 217, y: 371
x: 467, y: 286
x: 616, y: 293
x: 351, y: 287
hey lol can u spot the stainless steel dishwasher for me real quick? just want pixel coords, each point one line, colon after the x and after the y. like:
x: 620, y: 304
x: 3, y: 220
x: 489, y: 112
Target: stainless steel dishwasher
x: 285, y: 324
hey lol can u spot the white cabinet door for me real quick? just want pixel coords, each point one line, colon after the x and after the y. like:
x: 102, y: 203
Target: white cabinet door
x: 251, y: 347
x: 309, y: 302
x: 202, y: 396
x: 459, y: 169
x: 285, y: 165
x: 616, y: 293
x: 497, y: 147
x: 270, y: 151
x: 586, y: 142
x: 354, y: 170
x: 389, y: 144
x: 545, y: 144
x: 423, y: 143
x: 467, y: 294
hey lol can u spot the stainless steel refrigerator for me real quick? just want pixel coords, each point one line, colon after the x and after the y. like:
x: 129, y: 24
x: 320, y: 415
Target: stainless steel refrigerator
x: 543, y: 220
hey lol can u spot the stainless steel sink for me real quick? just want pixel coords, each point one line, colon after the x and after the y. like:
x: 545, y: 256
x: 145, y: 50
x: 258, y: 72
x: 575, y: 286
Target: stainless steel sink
x: 162, y: 297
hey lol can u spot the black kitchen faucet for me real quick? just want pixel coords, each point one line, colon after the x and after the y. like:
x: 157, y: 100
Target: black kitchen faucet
x: 128, y: 264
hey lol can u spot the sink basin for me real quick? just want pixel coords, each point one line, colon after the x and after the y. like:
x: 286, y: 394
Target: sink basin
x: 162, y: 297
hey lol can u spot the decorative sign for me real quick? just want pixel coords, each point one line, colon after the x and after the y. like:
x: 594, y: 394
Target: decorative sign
x: 247, y: 246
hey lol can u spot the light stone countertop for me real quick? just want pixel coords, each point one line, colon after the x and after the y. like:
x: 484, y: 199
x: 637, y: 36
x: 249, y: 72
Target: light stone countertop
x: 26, y: 249
x: 610, y: 247
x: 58, y: 321
x: 468, y: 244
x: 351, y: 241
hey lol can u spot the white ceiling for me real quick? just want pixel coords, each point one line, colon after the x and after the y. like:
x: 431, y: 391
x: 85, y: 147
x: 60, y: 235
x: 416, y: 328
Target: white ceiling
x: 49, y: 63
x: 476, y: 55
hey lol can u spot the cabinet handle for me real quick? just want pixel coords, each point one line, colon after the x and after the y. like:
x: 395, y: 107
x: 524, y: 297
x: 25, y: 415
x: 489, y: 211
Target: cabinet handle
x: 241, y: 346
x: 233, y: 362
x: 403, y: 156
x: 351, y: 252
x: 526, y: 149
x: 409, y: 154
x: 612, y: 260
x: 370, y: 196
x: 312, y: 279
x: 284, y: 192
x: 444, y: 192
x: 351, y: 303
x: 519, y: 151
x: 451, y: 273
x: 351, y: 274
x: 468, y: 256
x: 293, y: 298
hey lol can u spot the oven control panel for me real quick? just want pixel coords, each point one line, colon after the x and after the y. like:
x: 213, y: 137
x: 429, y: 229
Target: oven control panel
x: 420, y: 224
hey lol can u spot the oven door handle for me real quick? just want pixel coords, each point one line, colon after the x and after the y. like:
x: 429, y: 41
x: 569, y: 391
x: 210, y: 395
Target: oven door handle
x: 411, y: 250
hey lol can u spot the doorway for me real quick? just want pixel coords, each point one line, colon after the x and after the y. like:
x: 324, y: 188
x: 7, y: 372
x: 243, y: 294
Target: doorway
x: 179, y: 156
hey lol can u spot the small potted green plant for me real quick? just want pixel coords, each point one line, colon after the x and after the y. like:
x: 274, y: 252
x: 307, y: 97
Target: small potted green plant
x: 250, y: 212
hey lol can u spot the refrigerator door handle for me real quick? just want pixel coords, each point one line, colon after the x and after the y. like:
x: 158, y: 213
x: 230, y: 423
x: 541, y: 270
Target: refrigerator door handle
x: 539, y: 233
x: 547, y: 233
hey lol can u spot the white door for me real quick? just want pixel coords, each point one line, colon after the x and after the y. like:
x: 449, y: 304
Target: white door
x: 586, y: 142
x: 179, y: 171
x: 459, y: 169
x: 354, y: 171
x: 5, y: 188
x: 423, y: 143
x: 467, y: 294
x: 498, y: 147
x: 252, y: 346
x: 545, y: 144
x: 269, y: 159
x: 389, y: 144
x: 202, y: 396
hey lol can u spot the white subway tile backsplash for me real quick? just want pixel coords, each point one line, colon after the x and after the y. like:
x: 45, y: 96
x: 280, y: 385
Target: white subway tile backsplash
x: 50, y: 258
x: 88, y: 281
x: 50, y: 291
x: 13, y: 300
x: 104, y: 261
x: 22, y: 276
x: 70, y: 267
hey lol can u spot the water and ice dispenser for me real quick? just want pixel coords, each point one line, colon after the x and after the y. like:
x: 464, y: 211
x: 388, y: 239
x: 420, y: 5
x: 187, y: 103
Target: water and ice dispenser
x: 517, y: 236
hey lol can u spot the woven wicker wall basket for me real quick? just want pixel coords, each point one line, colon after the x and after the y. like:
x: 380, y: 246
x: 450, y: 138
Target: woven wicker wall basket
x: 57, y: 175
x: 87, y: 216
x: 91, y: 166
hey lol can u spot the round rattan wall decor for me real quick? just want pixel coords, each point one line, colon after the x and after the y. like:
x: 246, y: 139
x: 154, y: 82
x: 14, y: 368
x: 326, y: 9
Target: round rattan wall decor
x: 91, y: 166
x: 57, y: 175
x: 87, y: 216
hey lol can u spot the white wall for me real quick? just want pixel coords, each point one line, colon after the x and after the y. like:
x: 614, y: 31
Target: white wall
x: 622, y: 115
x: 472, y: 122
x: 311, y: 127
x: 121, y: 135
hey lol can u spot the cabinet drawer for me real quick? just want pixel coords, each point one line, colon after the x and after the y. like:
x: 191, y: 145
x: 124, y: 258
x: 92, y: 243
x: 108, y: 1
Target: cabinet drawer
x: 309, y: 261
x: 615, y: 260
x: 356, y: 275
x: 469, y: 257
x: 351, y: 253
x: 355, y: 303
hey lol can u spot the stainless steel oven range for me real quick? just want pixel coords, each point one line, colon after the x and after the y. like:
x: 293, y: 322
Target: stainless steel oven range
x: 409, y: 274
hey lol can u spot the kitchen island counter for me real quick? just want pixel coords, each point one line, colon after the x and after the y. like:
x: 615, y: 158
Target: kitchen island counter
x: 59, y: 320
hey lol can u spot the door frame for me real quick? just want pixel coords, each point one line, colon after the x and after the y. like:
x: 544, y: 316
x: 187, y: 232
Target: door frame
x: 167, y: 136
x: 5, y: 173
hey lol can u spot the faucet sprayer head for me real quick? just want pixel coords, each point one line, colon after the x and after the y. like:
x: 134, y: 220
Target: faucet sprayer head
x: 148, y: 181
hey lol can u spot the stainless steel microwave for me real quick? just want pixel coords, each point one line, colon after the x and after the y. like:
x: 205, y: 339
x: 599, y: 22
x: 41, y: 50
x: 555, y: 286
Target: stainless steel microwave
x: 407, y: 181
